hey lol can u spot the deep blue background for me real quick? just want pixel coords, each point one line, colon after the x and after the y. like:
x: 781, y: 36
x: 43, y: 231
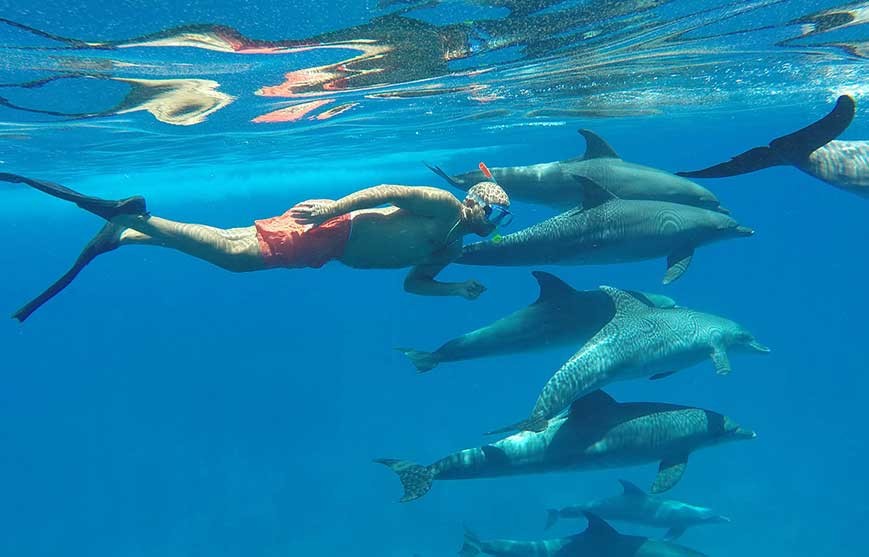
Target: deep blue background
x: 164, y: 407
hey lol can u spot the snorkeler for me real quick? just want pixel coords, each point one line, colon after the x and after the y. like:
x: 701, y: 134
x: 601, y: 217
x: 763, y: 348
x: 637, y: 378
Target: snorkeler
x: 423, y: 229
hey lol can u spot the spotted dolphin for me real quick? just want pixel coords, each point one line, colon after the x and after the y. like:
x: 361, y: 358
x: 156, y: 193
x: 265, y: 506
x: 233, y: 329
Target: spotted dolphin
x: 639, y: 341
x: 599, y: 539
x: 636, y: 506
x: 560, y: 316
x: 813, y: 149
x: 610, y: 230
x: 597, y: 432
x: 560, y: 184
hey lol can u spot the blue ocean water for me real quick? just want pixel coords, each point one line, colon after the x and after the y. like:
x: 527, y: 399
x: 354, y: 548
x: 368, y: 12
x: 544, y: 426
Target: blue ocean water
x: 161, y: 406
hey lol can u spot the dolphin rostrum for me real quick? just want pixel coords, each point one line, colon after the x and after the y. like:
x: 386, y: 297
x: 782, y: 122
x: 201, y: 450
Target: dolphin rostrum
x: 610, y: 230
x: 599, y: 539
x: 560, y: 184
x: 560, y: 316
x: 813, y: 149
x: 636, y: 506
x: 596, y: 433
x: 639, y: 341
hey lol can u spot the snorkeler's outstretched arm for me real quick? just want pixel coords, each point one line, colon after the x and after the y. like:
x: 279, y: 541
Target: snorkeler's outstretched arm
x: 421, y: 280
x: 421, y: 200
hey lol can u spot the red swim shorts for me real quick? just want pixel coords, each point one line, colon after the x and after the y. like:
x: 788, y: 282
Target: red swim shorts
x: 284, y: 242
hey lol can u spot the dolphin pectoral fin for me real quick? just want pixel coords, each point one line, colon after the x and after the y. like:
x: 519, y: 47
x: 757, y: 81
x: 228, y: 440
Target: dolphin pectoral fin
x: 531, y: 424
x: 758, y: 347
x: 593, y: 194
x: 720, y: 360
x: 661, y: 375
x: 677, y: 263
x: 596, y: 147
x: 669, y: 473
x: 674, y: 533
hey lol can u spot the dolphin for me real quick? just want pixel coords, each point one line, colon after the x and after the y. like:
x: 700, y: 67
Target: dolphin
x: 813, y: 149
x: 560, y: 316
x: 635, y: 505
x: 560, y: 184
x: 639, y: 341
x: 597, y: 432
x: 610, y: 230
x: 599, y: 539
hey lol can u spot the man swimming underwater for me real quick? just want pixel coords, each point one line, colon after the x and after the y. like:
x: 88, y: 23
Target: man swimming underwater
x: 423, y: 229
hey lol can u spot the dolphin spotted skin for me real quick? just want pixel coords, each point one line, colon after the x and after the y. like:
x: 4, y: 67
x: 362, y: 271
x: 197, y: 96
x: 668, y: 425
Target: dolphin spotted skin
x: 639, y: 341
x: 610, y: 230
x: 636, y: 506
x: 560, y: 316
x: 597, y: 432
x: 598, y: 540
x: 813, y: 149
x: 560, y: 184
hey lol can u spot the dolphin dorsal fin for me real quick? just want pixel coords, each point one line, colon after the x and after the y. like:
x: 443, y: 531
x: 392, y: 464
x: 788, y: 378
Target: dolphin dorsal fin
x: 625, y: 303
x: 630, y: 488
x: 593, y: 194
x: 598, y: 526
x: 591, y: 404
x: 551, y: 287
x: 596, y: 147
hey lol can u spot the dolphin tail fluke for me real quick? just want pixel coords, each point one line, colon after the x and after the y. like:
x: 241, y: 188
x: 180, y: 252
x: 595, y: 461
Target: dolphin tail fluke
x: 105, y: 208
x: 415, y: 479
x: 552, y: 516
x: 107, y: 239
x: 423, y: 361
x: 789, y: 149
x: 471, y: 545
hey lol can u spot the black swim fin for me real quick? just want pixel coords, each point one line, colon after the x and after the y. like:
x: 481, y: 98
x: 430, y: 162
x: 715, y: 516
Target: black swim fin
x: 107, y: 239
x: 105, y: 208
x: 789, y: 149
x: 439, y: 171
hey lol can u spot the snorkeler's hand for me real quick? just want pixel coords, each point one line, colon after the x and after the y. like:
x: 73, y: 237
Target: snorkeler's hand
x: 312, y: 212
x: 470, y: 289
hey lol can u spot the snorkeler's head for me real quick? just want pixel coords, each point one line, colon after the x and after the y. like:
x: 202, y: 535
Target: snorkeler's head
x: 489, y: 205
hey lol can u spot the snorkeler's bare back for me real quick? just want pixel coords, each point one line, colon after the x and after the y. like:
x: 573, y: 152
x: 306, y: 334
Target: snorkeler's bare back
x: 391, y: 238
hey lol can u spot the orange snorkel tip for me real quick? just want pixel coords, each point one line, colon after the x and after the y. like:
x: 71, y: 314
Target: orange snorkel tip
x: 486, y: 172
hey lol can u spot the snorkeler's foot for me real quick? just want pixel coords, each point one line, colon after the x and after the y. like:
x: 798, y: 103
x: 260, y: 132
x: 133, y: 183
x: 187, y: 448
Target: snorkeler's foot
x: 105, y: 208
x: 106, y: 240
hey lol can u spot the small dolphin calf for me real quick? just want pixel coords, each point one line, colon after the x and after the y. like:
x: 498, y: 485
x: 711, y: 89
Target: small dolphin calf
x: 639, y: 341
x: 598, y: 540
x: 560, y: 184
x: 635, y: 505
x: 597, y: 432
x: 813, y: 149
x: 561, y: 315
x: 610, y: 230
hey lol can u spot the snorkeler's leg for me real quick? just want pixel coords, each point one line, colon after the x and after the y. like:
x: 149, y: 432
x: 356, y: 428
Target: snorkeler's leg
x: 233, y: 249
x: 113, y: 236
